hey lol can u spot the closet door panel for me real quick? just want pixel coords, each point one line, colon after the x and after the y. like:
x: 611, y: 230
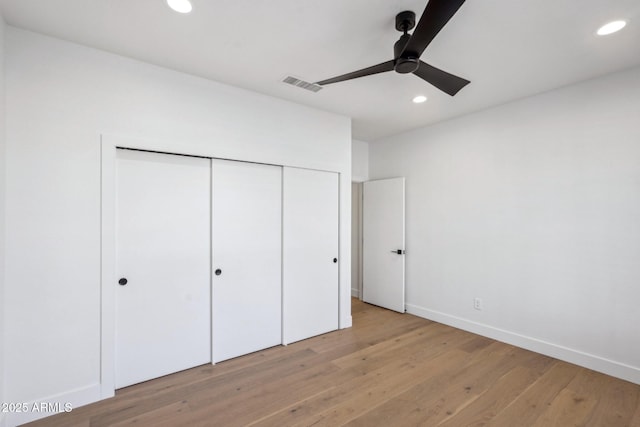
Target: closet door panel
x: 163, y: 314
x: 310, y: 253
x: 247, y: 279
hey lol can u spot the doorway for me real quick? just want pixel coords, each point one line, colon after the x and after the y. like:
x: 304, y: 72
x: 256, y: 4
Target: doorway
x: 356, y: 240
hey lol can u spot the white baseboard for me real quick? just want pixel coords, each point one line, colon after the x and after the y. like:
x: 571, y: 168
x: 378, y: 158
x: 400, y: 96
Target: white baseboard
x: 75, y: 399
x: 590, y: 361
x: 355, y: 293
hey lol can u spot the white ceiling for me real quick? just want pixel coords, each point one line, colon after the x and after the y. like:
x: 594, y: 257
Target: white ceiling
x: 509, y: 49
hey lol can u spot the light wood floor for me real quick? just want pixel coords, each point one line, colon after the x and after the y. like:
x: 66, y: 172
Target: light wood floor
x: 390, y: 370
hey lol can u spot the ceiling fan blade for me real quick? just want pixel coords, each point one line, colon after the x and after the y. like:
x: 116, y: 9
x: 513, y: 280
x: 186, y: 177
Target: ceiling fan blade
x: 434, y: 18
x: 376, y: 69
x: 444, y: 81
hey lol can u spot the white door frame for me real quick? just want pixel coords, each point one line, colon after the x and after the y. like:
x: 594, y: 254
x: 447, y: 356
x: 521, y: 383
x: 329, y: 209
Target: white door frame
x: 108, y: 146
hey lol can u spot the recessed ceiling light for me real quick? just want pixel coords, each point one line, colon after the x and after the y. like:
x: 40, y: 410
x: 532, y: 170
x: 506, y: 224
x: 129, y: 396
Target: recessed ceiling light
x: 180, y: 6
x: 419, y: 99
x: 611, y: 27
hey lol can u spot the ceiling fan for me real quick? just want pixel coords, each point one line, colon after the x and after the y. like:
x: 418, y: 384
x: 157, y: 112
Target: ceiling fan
x: 409, y: 47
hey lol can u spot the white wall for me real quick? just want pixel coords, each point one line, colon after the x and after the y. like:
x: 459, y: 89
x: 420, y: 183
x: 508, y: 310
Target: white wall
x: 359, y: 160
x: 61, y: 97
x: 2, y: 213
x: 534, y: 207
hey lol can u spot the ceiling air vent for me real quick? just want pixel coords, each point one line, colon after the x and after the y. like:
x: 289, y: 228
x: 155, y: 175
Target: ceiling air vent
x: 302, y: 84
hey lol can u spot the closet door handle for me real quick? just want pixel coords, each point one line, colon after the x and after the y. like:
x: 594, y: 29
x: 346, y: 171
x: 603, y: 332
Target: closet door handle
x: 123, y: 281
x: 398, y: 251
x: 218, y: 272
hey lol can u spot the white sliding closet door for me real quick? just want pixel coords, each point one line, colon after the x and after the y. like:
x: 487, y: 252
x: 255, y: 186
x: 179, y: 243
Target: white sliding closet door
x: 163, y: 312
x: 310, y: 253
x: 247, y: 235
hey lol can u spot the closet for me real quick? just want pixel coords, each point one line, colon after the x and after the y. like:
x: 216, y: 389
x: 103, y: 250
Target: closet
x: 217, y: 259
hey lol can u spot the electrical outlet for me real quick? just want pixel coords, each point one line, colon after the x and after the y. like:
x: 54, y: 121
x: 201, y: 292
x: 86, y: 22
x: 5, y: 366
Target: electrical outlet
x: 477, y: 303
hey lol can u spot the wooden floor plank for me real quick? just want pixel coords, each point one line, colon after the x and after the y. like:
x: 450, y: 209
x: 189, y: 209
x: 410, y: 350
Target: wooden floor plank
x: 371, y: 390
x: 389, y: 369
x: 635, y: 420
x: 493, y: 400
x: 530, y: 405
x: 431, y: 402
x: 567, y: 409
x: 174, y: 411
x: 372, y: 368
x: 616, y: 401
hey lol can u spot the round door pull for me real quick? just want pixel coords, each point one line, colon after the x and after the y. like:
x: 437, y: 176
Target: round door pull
x: 122, y: 281
x: 335, y: 260
x: 218, y: 272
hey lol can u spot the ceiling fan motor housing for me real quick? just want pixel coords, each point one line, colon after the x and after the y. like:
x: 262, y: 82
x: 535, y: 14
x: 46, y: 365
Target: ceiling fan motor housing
x: 406, y: 63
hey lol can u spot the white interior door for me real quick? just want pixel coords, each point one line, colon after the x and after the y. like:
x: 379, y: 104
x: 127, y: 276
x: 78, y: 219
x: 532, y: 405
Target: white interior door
x: 310, y: 253
x: 247, y: 263
x: 383, y: 243
x: 163, y: 312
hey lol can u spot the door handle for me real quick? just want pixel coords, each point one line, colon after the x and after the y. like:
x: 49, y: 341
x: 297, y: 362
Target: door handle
x: 398, y: 251
x: 123, y: 281
x: 218, y: 272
